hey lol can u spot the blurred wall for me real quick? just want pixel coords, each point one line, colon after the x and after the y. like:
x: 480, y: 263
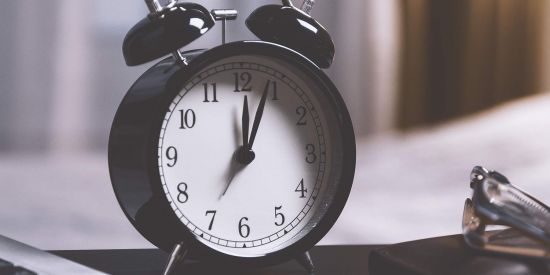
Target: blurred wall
x: 398, y: 64
x: 62, y: 73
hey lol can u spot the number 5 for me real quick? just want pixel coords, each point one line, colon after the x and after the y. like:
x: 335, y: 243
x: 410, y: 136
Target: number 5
x: 279, y: 215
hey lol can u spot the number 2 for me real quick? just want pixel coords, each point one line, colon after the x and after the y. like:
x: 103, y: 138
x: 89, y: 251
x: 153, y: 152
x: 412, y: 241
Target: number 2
x: 301, y: 111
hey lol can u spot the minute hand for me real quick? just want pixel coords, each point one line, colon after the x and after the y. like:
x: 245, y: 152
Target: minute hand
x: 258, y: 117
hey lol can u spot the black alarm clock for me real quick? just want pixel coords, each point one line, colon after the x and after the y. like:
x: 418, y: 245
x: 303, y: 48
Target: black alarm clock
x: 241, y: 155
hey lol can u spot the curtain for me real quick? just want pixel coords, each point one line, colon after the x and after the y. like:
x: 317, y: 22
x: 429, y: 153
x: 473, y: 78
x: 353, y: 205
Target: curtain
x: 460, y: 57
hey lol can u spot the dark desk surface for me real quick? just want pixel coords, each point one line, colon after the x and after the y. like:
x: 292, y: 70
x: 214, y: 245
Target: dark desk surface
x: 327, y: 259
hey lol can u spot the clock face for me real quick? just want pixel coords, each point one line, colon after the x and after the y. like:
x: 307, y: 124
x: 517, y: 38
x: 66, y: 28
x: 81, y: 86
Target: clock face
x: 249, y: 191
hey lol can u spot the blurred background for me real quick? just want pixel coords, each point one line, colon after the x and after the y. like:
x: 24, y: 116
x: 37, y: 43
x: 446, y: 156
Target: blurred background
x: 433, y: 87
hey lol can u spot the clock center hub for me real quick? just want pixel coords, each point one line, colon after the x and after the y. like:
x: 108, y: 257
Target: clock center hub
x: 244, y: 155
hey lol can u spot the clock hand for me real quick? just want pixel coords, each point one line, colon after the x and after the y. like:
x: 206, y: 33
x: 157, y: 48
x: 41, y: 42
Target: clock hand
x: 258, y: 117
x: 234, y: 169
x: 240, y: 157
x: 243, y: 155
x: 245, y: 122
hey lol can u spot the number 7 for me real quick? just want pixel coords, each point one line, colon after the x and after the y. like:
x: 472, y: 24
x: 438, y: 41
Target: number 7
x: 213, y: 212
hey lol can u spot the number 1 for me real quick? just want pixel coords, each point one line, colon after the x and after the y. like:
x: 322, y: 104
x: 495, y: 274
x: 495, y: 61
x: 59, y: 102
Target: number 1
x: 274, y: 87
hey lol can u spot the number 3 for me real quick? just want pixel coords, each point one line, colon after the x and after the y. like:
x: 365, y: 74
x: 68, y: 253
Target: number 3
x: 311, y: 156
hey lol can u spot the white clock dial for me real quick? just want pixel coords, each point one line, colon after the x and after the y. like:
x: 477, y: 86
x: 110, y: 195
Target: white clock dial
x: 237, y: 208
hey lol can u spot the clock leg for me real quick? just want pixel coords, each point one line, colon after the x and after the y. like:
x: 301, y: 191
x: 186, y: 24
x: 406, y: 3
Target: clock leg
x: 178, y: 255
x: 305, y: 261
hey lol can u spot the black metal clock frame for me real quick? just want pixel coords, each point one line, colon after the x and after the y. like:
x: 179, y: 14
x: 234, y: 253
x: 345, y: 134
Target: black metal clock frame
x: 133, y: 151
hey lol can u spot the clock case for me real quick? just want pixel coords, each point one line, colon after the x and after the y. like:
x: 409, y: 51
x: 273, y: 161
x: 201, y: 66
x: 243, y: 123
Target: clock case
x: 133, y: 154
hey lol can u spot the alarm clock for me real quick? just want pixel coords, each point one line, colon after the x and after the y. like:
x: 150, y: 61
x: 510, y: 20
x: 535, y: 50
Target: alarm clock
x: 239, y: 155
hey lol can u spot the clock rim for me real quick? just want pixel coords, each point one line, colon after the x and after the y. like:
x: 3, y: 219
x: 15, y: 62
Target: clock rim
x: 174, y: 84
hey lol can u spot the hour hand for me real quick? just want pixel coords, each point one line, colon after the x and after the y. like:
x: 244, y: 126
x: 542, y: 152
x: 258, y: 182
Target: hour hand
x: 245, y: 122
x: 244, y: 154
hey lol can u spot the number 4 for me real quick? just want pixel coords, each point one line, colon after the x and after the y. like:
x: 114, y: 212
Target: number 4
x: 301, y: 189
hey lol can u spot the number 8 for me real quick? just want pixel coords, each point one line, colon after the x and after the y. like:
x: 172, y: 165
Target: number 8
x: 182, y: 189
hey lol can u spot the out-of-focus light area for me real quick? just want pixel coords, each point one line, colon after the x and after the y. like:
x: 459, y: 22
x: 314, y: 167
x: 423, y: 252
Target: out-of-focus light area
x: 434, y: 87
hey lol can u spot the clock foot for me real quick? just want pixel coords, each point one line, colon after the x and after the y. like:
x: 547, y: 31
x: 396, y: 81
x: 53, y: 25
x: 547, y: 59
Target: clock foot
x: 305, y: 261
x: 178, y: 255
